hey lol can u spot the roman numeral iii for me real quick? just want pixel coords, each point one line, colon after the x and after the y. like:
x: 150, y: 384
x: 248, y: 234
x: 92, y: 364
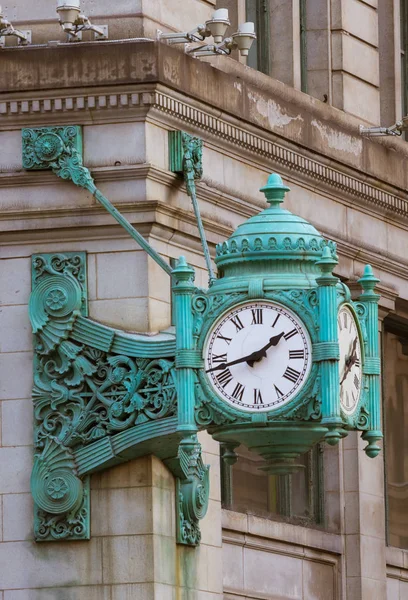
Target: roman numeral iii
x: 296, y: 354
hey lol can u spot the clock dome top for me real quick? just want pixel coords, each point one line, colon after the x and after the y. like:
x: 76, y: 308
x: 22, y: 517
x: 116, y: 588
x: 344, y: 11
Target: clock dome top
x: 268, y: 240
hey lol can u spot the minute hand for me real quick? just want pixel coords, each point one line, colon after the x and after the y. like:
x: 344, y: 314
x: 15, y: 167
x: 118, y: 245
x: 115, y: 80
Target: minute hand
x: 250, y: 358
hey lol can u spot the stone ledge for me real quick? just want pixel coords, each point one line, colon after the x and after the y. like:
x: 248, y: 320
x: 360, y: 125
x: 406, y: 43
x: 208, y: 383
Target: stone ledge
x: 242, y: 529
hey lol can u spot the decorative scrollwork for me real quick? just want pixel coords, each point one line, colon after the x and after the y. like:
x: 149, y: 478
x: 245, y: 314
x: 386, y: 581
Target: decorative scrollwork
x: 192, y: 492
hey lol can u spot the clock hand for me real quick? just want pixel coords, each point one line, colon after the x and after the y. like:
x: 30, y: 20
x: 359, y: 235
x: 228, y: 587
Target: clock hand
x: 262, y: 352
x: 350, y: 360
x: 250, y: 358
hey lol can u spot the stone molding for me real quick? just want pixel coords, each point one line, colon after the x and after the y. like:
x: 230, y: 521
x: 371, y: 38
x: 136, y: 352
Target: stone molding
x: 342, y: 179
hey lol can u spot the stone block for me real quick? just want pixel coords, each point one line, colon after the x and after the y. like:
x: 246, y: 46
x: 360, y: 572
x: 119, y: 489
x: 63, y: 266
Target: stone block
x: 159, y: 315
x: 60, y: 194
x: 264, y: 571
x: 319, y: 580
x: 128, y: 559
x: 361, y: 20
x: 372, y: 516
x: 135, y: 473
x: 215, y: 475
x: 157, y: 146
x: 356, y: 97
x: 371, y: 473
x: 16, y: 378
x: 11, y: 151
x: 17, y: 422
x: 15, y: 469
x: 125, y: 511
x: 127, y: 314
x: 121, y: 275
x: 362, y: 227
x: 16, y: 274
x: 393, y: 589
x: 141, y: 591
x: 211, y: 531
x: 50, y: 565
x: 350, y: 470
x: 345, y: 48
x: 91, y: 268
x: 16, y: 329
x: 84, y: 592
x: 161, y: 476
x: 159, y: 283
x: 352, y: 513
x: 317, y: 50
x: 208, y: 443
x: 353, y: 555
x: 18, y: 517
x: 233, y: 567
x: 163, y: 512
x: 114, y: 144
x: 372, y: 557
x: 215, y: 557
x: 193, y: 573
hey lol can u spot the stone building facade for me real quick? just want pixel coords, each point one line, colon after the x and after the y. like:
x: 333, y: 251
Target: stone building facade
x: 341, y: 531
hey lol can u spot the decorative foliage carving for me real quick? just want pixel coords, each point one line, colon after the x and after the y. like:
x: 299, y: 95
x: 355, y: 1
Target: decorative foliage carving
x: 59, y: 149
x: 81, y: 394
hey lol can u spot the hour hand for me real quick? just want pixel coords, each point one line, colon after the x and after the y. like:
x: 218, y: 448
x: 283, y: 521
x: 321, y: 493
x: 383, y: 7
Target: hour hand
x: 262, y: 352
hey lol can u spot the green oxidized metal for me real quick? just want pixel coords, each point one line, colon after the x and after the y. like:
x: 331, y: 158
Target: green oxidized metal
x: 102, y: 397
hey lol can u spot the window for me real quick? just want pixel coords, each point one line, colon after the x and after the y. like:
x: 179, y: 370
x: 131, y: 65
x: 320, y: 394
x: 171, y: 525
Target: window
x: 395, y: 372
x: 257, y: 11
x: 247, y: 488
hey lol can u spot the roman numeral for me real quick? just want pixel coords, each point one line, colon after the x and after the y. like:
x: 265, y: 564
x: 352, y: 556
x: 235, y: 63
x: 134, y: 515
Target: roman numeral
x: 237, y: 322
x: 347, y: 400
x: 279, y: 394
x: 356, y: 382
x: 339, y: 322
x: 218, y: 358
x: 291, y: 374
x: 276, y: 320
x: 257, y: 316
x: 238, y: 391
x: 257, y: 397
x: 354, y: 398
x: 290, y: 334
x: 222, y: 337
x: 224, y: 378
x: 357, y: 363
x: 345, y: 319
x: 296, y: 354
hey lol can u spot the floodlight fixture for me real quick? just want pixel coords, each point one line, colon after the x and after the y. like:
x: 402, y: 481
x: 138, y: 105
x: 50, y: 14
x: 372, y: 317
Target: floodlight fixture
x: 7, y: 29
x: 73, y: 22
x: 215, y: 28
x: 397, y: 129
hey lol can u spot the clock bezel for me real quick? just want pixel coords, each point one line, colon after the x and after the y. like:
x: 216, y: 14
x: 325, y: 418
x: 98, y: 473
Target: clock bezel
x: 351, y: 416
x: 307, y: 389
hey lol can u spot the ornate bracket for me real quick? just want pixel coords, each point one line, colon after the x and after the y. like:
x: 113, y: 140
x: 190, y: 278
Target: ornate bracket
x: 100, y: 398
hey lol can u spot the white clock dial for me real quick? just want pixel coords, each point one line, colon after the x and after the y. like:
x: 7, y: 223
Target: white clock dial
x: 258, y: 356
x: 350, y: 372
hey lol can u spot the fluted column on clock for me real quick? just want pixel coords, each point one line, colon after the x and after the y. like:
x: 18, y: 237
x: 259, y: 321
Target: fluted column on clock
x: 371, y: 368
x: 328, y: 348
x: 186, y: 359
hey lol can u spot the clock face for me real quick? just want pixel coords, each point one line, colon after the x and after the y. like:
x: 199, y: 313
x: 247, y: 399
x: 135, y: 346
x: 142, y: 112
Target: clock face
x: 350, y: 372
x: 258, y: 356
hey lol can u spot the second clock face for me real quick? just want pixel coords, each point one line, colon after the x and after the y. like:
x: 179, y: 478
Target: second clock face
x: 258, y: 356
x: 350, y: 360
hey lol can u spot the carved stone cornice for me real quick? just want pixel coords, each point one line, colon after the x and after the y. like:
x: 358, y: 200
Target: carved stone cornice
x: 175, y: 109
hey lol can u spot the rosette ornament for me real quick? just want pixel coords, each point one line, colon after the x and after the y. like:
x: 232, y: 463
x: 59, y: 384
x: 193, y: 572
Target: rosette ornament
x: 54, y: 486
